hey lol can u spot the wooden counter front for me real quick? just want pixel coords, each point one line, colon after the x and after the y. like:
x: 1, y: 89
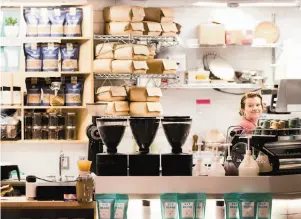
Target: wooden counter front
x: 22, y: 202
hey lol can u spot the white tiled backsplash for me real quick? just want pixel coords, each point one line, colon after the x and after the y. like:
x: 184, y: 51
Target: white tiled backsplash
x: 43, y: 159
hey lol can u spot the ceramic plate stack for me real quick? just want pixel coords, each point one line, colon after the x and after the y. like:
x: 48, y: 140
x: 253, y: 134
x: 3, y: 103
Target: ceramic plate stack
x: 268, y: 31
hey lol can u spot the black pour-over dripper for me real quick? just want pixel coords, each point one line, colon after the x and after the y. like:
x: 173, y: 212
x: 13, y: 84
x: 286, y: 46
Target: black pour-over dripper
x: 111, y: 131
x: 144, y: 130
x: 176, y: 130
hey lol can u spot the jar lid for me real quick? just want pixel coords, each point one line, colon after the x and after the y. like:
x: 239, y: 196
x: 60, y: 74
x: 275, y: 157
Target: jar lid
x: 6, y: 88
x: 16, y: 88
x: 145, y: 203
x: 31, y: 178
x: 220, y: 203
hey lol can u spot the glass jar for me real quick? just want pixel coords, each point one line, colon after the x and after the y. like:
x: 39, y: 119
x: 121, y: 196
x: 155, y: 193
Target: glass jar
x: 61, y: 133
x: 28, y: 120
x: 3, y: 131
x: 11, y: 131
x: 6, y: 96
x: 37, y: 119
x: 52, y: 134
x: 28, y: 133
x: 52, y: 120
x: 70, y: 119
x: 17, y: 97
x: 84, y: 188
x: 70, y: 133
x: 37, y: 133
x: 45, y: 119
x: 45, y: 133
x: 60, y: 120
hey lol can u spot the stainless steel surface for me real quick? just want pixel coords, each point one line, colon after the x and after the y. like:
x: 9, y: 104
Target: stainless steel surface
x: 288, y: 96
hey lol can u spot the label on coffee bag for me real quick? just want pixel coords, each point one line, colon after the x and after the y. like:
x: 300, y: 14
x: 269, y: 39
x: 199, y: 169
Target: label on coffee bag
x: 263, y: 210
x: 170, y: 210
x: 187, y: 209
x: 104, y: 210
x: 248, y: 209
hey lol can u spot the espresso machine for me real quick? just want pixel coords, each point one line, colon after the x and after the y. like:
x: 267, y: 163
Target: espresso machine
x: 143, y: 163
x: 176, y: 130
x: 282, y: 146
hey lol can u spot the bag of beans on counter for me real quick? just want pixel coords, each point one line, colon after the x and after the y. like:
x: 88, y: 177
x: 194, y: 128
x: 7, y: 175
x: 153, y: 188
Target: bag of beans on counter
x: 31, y: 16
x: 57, y: 19
x: 70, y: 55
x: 46, y: 91
x: 33, y: 87
x: 50, y: 54
x: 33, y: 57
x: 57, y: 95
x: 43, y: 23
x: 74, y: 91
x: 73, y: 23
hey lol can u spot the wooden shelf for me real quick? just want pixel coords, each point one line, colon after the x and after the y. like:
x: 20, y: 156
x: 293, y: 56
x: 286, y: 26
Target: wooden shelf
x: 40, y: 4
x: 54, y: 107
x: 45, y: 142
x: 85, y: 65
x: 10, y: 107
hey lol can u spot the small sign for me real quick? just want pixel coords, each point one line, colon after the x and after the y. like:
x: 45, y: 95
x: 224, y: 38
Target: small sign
x: 50, y: 45
x: 72, y: 11
x: 203, y: 102
x: 69, y: 46
x: 57, y: 12
x: 34, y: 46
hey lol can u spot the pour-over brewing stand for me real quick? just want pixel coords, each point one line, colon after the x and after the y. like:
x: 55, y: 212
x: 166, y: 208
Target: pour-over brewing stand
x: 144, y: 163
x: 176, y: 163
x: 111, y: 163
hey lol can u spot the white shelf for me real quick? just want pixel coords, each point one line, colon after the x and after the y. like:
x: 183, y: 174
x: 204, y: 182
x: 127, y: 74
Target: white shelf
x: 213, y: 85
x: 135, y: 38
x: 196, y: 46
x: 213, y: 186
x: 18, y: 41
x: 134, y: 76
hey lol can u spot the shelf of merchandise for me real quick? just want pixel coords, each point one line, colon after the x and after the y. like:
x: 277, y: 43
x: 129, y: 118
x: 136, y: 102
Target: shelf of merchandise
x: 272, y: 45
x: 10, y: 107
x: 54, y: 107
x: 18, y: 41
x: 135, y: 38
x: 57, y: 142
x: 85, y: 63
x: 134, y: 76
x: 213, y: 86
x: 215, y: 187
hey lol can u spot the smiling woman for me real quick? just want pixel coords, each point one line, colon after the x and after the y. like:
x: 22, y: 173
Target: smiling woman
x: 251, y: 107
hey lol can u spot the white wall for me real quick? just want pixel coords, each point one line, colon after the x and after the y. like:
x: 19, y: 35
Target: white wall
x: 42, y: 160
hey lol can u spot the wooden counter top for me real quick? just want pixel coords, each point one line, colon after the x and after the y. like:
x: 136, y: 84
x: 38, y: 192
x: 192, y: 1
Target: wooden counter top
x: 22, y: 202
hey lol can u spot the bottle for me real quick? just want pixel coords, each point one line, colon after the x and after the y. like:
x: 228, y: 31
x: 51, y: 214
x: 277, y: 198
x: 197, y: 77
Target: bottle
x: 216, y: 168
x: 200, y: 168
x: 84, y: 182
x: 146, y: 210
x: 220, y: 210
x: 30, y: 187
x: 248, y: 166
x: 263, y: 163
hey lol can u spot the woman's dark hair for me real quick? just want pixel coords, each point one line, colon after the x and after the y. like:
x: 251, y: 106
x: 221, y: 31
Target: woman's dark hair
x: 246, y: 96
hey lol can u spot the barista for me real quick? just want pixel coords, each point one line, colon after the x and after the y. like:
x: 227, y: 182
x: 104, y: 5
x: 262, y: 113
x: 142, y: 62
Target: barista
x: 251, y: 108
